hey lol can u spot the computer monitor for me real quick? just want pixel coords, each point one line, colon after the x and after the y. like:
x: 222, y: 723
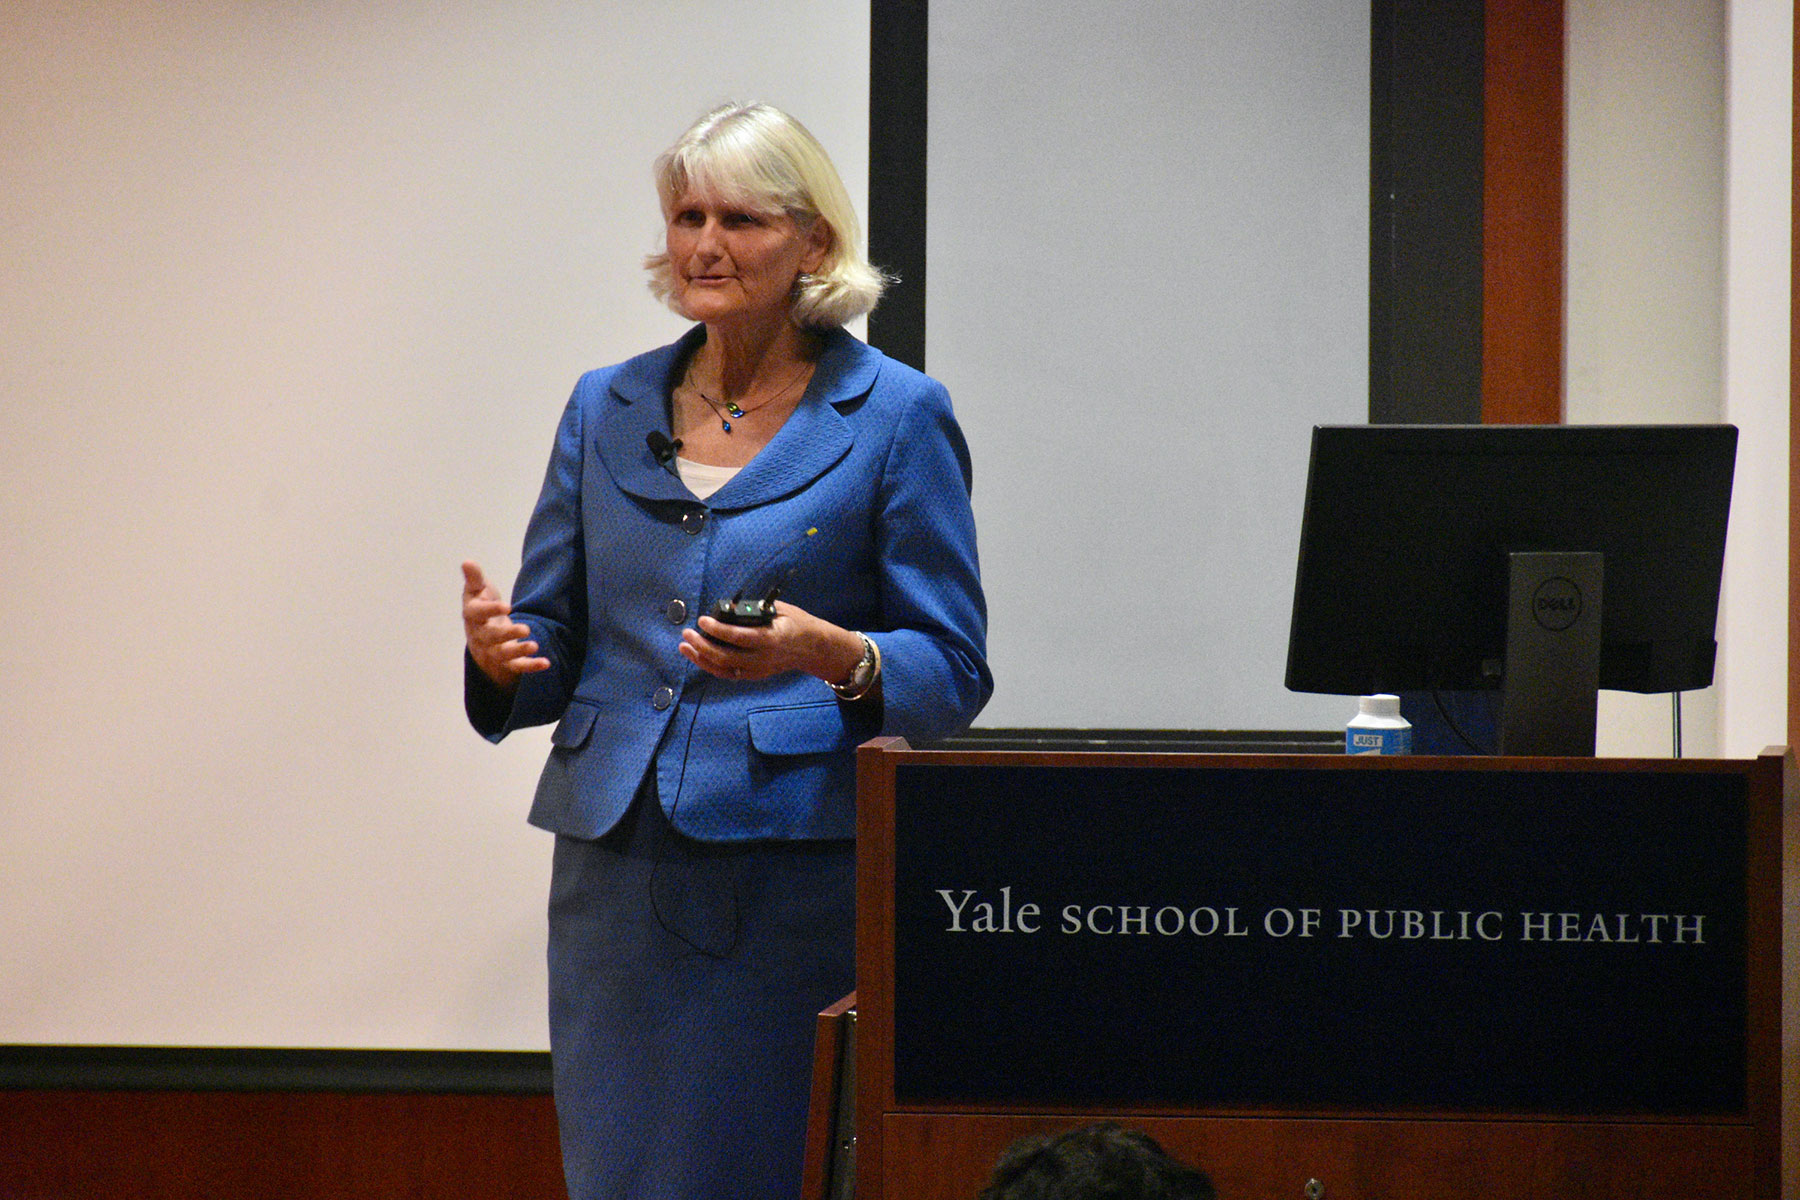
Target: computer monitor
x: 1541, y: 560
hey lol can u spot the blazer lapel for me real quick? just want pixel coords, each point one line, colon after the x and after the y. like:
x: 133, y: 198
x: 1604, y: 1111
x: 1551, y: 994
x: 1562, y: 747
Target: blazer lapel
x: 816, y: 436
x: 639, y: 389
x: 808, y: 444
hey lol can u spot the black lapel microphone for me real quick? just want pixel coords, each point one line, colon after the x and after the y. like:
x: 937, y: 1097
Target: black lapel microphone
x: 662, y: 446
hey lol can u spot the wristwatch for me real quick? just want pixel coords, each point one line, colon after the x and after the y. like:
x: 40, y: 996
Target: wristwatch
x: 863, y: 675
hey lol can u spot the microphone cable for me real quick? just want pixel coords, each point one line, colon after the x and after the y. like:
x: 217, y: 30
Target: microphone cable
x: 665, y: 836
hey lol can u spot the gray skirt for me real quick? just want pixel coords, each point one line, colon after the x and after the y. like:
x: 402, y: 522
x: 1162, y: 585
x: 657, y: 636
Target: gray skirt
x: 684, y: 981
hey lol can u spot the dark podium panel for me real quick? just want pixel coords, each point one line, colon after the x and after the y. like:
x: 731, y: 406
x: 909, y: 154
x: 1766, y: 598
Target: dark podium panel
x: 1408, y: 977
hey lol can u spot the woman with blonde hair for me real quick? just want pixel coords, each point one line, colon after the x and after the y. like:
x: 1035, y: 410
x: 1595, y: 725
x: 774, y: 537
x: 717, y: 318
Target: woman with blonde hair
x: 753, y: 550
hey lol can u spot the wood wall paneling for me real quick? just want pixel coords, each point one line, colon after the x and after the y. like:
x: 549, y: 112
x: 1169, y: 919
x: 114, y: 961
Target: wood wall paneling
x: 1522, y: 213
x: 176, y: 1145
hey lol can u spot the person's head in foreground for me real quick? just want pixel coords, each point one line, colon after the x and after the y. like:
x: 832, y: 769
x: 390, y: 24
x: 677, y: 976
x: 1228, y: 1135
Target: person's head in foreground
x: 1096, y: 1162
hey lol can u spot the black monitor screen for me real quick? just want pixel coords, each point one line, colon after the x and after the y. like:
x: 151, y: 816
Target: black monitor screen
x: 1402, y: 580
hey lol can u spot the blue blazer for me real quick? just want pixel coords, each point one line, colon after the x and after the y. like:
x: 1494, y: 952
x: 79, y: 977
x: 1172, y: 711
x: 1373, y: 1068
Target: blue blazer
x: 619, y: 556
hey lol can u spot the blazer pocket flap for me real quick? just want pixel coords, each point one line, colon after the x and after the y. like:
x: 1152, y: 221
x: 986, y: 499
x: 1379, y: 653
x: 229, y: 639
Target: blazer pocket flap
x: 576, y: 724
x: 799, y: 729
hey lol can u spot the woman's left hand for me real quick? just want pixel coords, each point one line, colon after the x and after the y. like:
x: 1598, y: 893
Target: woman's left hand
x: 794, y: 641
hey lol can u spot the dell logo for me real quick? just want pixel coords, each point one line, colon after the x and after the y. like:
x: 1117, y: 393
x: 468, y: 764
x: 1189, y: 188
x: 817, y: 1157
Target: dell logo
x: 1557, y: 603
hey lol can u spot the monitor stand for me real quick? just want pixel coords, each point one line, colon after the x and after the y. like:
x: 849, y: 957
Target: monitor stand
x: 1551, y: 678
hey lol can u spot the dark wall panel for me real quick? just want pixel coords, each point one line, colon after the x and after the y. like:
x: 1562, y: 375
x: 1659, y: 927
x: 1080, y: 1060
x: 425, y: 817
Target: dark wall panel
x: 1425, y: 211
x: 898, y: 55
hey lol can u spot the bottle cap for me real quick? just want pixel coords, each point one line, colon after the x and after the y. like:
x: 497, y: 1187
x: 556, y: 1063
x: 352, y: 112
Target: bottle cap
x: 1379, y: 706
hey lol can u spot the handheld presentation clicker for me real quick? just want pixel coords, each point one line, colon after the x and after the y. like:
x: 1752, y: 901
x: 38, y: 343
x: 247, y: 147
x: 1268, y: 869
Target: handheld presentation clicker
x: 756, y: 610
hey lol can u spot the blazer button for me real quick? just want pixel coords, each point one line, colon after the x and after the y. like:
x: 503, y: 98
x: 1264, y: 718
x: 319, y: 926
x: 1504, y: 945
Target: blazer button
x: 662, y: 698
x: 676, y: 611
x: 693, y: 521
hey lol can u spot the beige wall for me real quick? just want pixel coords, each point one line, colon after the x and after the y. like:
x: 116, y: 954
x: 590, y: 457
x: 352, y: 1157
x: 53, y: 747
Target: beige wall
x: 1678, y: 112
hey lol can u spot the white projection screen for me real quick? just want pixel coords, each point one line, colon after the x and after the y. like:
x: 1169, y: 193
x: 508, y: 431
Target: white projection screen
x: 293, y: 297
x: 1148, y: 250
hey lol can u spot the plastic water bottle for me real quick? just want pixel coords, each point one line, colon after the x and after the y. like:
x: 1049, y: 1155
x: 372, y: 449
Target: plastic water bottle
x: 1378, y: 728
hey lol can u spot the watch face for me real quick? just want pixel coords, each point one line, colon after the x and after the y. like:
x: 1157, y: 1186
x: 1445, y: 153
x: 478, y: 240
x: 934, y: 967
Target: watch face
x: 863, y: 673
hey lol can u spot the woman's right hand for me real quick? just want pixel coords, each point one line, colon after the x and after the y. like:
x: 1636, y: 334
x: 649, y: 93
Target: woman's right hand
x: 500, y: 646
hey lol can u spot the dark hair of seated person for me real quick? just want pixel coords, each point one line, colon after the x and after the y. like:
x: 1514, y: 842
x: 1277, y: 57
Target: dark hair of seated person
x: 1096, y: 1162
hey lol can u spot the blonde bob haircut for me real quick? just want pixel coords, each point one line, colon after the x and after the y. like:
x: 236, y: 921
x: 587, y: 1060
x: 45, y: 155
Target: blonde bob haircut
x: 756, y: 156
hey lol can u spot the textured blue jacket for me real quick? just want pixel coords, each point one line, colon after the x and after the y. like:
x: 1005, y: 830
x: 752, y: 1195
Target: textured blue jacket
x: 619, y: 555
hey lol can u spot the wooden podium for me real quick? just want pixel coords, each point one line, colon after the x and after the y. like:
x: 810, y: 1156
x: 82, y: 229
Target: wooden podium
x: 1318, y: 976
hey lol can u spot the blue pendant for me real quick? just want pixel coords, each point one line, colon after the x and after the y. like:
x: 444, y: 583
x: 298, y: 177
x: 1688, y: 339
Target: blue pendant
x: 726, y: 425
